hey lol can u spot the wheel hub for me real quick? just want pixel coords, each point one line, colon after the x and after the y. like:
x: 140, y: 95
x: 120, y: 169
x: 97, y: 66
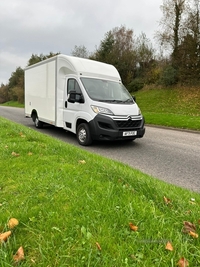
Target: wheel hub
x: 82, y: 135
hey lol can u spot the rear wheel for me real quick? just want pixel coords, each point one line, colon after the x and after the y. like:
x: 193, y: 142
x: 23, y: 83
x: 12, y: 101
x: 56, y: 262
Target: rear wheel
x: 83, y: 134
x: 37, y: 122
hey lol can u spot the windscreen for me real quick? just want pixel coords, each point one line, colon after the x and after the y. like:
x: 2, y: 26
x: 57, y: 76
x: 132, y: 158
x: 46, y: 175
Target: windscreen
x: 106, y: 91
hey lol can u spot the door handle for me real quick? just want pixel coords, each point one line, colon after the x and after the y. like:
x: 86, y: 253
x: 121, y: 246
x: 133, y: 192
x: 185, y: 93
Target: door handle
x: 65, y: 104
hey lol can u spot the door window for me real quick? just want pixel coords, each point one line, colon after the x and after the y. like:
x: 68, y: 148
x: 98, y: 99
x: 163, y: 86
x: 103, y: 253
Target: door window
x: 73, y: 85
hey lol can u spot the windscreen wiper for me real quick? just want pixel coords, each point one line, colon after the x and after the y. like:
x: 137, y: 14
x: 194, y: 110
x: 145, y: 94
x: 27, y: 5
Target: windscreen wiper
x: 128, y: 100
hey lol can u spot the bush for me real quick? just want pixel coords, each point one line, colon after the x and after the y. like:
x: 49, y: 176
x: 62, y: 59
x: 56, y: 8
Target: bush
x: 135, y: 85
x: 168, y: 76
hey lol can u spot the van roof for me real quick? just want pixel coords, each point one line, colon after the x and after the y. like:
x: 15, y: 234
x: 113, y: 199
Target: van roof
x: 88, y: 67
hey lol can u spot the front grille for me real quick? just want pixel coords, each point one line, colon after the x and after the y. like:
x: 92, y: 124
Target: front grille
x: 129, y: 124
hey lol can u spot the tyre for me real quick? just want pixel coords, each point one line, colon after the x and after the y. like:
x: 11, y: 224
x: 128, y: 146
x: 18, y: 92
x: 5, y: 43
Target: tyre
x: 83, y: 134
x: 38, y: 123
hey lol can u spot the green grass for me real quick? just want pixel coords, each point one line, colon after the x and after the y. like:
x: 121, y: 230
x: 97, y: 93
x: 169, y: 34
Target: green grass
x: 67, y: 199
x: 177, y: 107
x: 13, y: 104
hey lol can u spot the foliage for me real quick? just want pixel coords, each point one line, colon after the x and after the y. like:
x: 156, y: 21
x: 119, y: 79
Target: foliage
x: 168, y: 76
x: 117, y: 49
x: 75, y: 208
x: 181, y: 33
x: 4, y: 97
x: 135, y: 85
x: 37, y: 58
x: 80, y: 51
x: 16, y: 86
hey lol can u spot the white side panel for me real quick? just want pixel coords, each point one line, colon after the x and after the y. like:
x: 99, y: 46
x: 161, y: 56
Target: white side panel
x: 40, y: 91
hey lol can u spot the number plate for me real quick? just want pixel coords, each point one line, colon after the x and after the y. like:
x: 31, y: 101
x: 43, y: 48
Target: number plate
x: 130, y: 133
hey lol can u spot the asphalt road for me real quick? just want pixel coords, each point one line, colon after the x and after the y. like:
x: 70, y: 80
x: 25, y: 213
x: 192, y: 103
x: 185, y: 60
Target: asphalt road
x: 169, y: 155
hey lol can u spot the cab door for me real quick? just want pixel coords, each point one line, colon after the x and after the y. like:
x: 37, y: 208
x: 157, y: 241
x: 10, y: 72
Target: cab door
x: 72, y: 108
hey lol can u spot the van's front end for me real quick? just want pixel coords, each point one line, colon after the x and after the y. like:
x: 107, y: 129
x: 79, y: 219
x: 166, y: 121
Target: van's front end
x: 116, y: 114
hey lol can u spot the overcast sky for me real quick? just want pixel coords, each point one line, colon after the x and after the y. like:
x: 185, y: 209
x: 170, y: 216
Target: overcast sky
x: 43, y: 26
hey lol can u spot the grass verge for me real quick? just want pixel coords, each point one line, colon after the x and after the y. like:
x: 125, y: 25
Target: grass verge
x: 75, y: 208
x: 13, y: 104
x: 177, y: 107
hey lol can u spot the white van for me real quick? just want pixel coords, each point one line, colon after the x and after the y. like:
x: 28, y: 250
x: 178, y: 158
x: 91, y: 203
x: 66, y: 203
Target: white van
x: 82, y: 96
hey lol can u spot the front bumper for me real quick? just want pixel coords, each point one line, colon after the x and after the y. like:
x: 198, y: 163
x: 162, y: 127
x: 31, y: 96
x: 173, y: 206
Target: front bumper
x: 104, y: 127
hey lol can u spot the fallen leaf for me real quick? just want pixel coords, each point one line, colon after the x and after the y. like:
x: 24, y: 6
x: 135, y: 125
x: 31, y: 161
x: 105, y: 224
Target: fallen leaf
x: 133, y: 227
x: 22, y: 135
x: 98, y: 246
x: 166, y: 200
x: 188, y: 212
x: 169, y: 246
x: 19, y: 256
x: 82, y: 161
x: 188, y: 226
x: 193, y: 234
x: 4, y: 236
x: 15, y: 154
x: 12, y: 223
x: 182, y: 262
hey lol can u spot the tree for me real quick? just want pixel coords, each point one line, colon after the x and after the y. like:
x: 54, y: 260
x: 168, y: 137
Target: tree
x: 145, y: 56
x: 117, y: 49
x: 105, y: 51
x: 172, y: 26
x: 4, y: 97
x: 189, y: 49
x: 80, y: 51
x: 37, y: 58
x: 16, y: 85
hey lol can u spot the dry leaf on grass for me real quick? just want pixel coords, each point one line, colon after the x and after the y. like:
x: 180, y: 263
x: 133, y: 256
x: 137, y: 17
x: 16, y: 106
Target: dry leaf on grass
x: 14, y: 154
x: 82, y: 161
x: 193, y: 234
x: 182, y: 262
x: 98, y: 246
x: 19, y: 256
x: 188, y: 226
x: 22, y: 135
x: 167, y: 200
x: 4, y: 236
x: 12, y: 223
x: 133, y: 227
x: 169, y: 246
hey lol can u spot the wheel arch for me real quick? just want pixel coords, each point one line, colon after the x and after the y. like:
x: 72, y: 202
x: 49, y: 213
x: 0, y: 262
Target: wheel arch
x: 34, y: 114
x: 79, y: 121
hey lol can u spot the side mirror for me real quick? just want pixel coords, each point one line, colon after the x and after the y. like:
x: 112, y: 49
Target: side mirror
x: 72, y: 97
x: 75, y: 97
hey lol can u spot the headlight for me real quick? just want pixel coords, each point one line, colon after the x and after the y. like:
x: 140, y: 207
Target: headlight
x: 139, y: 111
x: 97, y: 110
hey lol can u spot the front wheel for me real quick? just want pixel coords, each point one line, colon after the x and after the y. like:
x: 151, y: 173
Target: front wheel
x: 83, y: 134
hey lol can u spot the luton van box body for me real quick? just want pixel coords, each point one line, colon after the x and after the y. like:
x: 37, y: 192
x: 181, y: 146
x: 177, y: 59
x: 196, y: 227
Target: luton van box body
x: 83, y: 96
